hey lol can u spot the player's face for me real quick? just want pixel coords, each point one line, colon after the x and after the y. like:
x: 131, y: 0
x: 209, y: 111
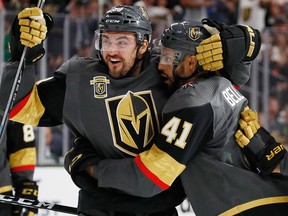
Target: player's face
x: 119, y: 52
x: 166, y: 66
x: 176, y: 74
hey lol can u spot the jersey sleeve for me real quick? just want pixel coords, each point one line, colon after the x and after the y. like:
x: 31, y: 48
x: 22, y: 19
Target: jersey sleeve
x: 153, y: 171
x: 37, y: 104
x: 238, y: 73
x: 8, y: 76
x: 21, y: 151
x: 284, y: 165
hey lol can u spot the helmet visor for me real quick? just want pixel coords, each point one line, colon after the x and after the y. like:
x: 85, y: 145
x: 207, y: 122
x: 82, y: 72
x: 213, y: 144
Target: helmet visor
x: 114, y: 41
x: 165, y: 55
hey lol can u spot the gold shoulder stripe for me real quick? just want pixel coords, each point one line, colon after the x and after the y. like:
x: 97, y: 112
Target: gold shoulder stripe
x: 255, y: 203
x: 29, y: 112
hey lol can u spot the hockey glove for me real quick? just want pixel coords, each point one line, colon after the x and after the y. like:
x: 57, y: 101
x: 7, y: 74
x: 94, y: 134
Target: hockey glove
x: 80, y: 157
x: 249, y: 122
x: 227, y: 45
x: 29, y: 29
x: 28, y: 190
x: 259, y: 147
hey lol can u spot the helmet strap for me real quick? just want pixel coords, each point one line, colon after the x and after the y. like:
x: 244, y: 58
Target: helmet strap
x: 177, y: 81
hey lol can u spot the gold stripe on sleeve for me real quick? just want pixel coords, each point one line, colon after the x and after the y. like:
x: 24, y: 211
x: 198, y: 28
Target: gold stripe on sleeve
x: 161, y: 164
x: 26, y: 156
x: 32, y: 111
x: 255, y: 203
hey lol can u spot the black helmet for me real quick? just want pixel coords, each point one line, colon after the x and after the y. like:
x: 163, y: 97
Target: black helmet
x: 184, y: 37
x: 124, y: 18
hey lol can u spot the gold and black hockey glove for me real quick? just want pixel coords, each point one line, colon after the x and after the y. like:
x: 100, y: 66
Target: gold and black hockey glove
x: 30, y: 28
x: 28, y: 190
x: 227, y: 45
x: 79, y: 158
x: 262, y: 151
x: 249, y: 122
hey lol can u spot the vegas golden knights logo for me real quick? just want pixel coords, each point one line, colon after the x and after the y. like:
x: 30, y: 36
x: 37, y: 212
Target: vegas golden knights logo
x: 100, y: 86
x: 144, y: 12
x: 133, y: 121
x: 194, y: 33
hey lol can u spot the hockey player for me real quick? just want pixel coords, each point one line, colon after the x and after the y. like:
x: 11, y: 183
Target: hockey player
x: 114, y: 102
x: 197, y: 142
x: 17, y: 164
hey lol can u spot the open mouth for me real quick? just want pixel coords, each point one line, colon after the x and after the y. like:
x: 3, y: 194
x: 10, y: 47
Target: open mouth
x: 114, y: 61
x: 164, y: 77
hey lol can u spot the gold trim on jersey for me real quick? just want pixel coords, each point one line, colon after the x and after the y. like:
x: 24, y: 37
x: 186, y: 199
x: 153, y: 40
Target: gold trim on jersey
x: 161, y: 164
x: 26, y: 156
x: 32, y: 111
x: 255, y: 203
x: 6, y: 188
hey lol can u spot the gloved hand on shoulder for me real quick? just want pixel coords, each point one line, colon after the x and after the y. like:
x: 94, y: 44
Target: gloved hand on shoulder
x: 227, y: 45
x: 30, y: 28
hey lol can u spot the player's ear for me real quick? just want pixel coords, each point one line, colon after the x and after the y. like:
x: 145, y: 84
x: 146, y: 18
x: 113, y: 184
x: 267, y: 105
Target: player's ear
x: 192, y: 61
x: 143, y: 47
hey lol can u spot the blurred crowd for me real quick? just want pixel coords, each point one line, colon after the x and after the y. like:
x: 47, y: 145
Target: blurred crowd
x: 79, y: 18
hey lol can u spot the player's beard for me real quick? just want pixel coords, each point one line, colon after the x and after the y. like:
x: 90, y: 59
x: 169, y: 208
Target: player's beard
x: 122, y: 67
x: 125, y: 70
x: 119, y: 69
